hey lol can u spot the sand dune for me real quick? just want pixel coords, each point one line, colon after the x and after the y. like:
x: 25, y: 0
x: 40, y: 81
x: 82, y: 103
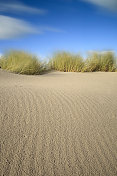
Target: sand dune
x: 58, y: 124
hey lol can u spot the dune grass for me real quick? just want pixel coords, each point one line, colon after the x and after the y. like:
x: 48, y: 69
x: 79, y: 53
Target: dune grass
x: 25, y: 63
x: 67, y: 62
x: 105, y: 62
x: 92, y: 63
x: 108, y: 62
x: 21, y: 62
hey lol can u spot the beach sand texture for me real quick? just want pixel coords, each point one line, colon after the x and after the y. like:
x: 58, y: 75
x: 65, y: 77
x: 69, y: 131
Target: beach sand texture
x: 58, y: 124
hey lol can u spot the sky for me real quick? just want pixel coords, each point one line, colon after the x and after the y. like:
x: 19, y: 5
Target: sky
x: 42, y: 27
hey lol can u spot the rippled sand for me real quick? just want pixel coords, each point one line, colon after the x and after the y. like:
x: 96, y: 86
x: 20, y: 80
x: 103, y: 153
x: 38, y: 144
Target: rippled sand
x: 58, y: 124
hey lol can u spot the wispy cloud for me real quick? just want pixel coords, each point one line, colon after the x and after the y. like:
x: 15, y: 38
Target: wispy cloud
x: 13, y: 28
x: 20, y: 8
x: 108, y: 4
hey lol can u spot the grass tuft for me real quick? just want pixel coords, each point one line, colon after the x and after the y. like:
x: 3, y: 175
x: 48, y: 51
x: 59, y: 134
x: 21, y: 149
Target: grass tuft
x: 108, y: 62
x: 25, y: 63
x: 67, y: 62
x: 21, y: 62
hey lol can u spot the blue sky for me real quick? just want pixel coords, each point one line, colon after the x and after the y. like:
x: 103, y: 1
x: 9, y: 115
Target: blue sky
x: 43, y: 27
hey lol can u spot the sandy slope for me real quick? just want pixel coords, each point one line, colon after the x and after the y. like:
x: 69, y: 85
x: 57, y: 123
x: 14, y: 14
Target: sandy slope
x: 58, y: 124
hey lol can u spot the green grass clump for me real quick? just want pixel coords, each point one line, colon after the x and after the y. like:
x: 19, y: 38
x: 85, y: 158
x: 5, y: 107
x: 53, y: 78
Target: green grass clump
x: 21, y: 62
x: 67, y: 62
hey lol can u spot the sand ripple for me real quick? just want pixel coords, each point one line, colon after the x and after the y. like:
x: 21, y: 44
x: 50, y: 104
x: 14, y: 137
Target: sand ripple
x: 59, y: 124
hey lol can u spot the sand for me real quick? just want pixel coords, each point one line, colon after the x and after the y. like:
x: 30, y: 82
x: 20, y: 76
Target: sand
x: 58, y: 124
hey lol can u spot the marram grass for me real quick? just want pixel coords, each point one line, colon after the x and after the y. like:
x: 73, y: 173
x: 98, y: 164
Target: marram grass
x: 105, y: 62
x: 67, y: 62
x: 108, y: 62
x: 21, y: 62
x: 24, y: 63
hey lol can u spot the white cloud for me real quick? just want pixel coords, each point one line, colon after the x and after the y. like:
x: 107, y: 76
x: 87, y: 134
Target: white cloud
x: 20, y: 8
x: 12, y: 27
x: 109, y: 4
